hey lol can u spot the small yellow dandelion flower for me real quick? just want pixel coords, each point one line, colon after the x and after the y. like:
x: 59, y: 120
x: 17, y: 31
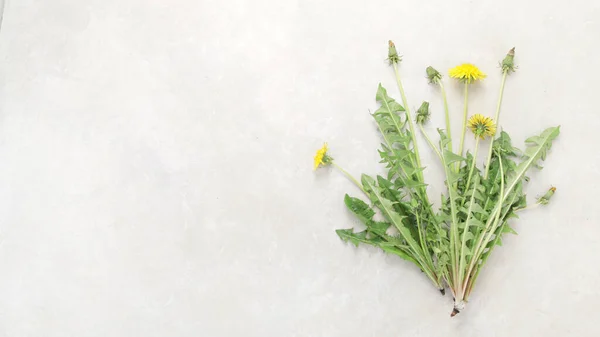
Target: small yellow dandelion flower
x: 482, y: 126
x: 467, y: 73
x: 321, y: 158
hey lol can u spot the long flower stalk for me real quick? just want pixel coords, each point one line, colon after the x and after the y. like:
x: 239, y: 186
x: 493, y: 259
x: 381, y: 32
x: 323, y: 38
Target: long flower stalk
x: 464, y: 119
x: 508, y: 66
x: 394, y: 60
x: 435, y: 77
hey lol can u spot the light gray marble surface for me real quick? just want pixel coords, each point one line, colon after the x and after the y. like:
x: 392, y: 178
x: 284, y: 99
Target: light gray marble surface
x: 156, y: 179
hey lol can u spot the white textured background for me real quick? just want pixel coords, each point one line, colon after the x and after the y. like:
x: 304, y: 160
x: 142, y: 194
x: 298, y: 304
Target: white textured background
x: 156, y: 179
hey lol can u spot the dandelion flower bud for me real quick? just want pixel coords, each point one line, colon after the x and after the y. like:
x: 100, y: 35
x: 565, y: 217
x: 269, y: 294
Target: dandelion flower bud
x: 508, y: 64
x: 423, y: 113
x: 432, y: 74
x: 392, y: 53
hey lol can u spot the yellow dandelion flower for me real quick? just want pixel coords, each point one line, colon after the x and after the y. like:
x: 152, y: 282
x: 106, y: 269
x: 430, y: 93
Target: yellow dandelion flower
x: 321, y: 158
x: 467, y: 73
x: 482, y: 126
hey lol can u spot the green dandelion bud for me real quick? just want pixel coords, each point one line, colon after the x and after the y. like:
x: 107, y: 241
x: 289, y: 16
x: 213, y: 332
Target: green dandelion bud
x: 508, y: 64
x: 432, y: 74
x: 392, y: 53
x: 423, y: 113
x: 545, y: 199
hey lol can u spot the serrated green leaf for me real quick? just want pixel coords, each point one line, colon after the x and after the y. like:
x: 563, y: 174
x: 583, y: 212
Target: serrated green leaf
x: 451, y: 157
x: 348, y: 235
x: 477, y: 209
x: 396, y: 219
x: 507, y: 229
x: 533, y: 154
x: 401, y: 253
x: 365, y: 214
x: 474, y: 222
x: 359, y: 208
x: 468, y: 236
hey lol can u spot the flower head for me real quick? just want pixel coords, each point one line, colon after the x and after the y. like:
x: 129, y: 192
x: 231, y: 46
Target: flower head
x: 545, y: 199
x: 467, y: 73
x: 482, y: 126
x: 423, y: 113
x: 321, y: 158
x: 432, y: 74
x: 508, y: 64
x: 392, y: 53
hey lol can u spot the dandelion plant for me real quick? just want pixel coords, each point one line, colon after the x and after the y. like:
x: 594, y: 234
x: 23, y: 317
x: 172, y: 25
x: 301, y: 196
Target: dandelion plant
x: 450, y: 243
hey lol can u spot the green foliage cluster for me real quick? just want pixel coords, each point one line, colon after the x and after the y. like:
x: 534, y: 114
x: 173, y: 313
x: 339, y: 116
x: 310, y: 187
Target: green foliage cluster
x: 450, y: 244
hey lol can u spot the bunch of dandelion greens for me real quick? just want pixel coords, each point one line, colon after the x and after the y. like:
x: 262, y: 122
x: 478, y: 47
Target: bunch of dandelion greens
x: 451, y: 244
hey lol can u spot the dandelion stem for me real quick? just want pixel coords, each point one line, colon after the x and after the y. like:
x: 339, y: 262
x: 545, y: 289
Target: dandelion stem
x: 412, y: 134
x: 463, y: 256
x: 489, y: 229
x: 428, y: 260
x: 484, y: 258
x: 464, y: 122
x: 497, y: 116
x: 472, y: 163
x: 448, y: 126
x: 349, y: 176
x: 537, y: 204
x: 430, y: 142
x: 409, y: 117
